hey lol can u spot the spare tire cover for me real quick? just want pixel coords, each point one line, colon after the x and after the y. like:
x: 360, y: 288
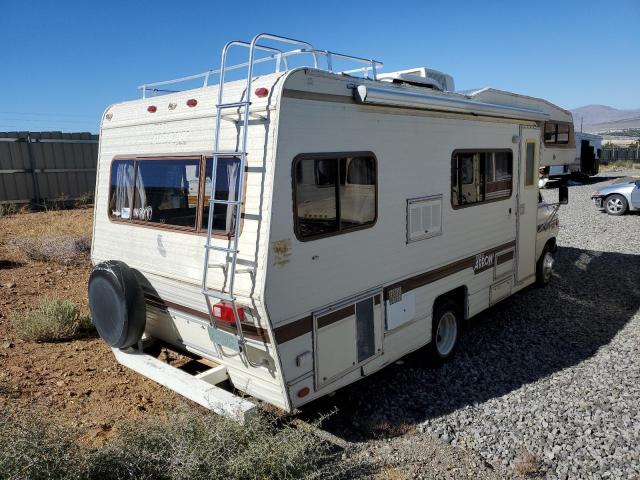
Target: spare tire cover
x: 117, y: 304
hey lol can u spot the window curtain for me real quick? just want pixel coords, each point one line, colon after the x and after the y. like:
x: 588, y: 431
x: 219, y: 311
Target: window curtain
x: 124, y: 192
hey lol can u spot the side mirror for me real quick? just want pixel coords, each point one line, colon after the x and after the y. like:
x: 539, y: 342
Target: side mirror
x: 563, y: 195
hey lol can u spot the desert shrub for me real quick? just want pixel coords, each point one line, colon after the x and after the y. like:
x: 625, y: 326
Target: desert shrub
x: 84, y: 200
x: 210, y: 447
x: 527, y: 464
x: 64, y: 249
x: 53, y: 320
x: 31, y: 449
x: 184, y: 447
x: 7, y: 209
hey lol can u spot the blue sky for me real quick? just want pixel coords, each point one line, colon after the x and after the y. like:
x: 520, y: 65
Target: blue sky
x: 63, y: 62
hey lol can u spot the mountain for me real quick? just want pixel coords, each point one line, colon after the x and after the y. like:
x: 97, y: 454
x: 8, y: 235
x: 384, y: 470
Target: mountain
x: 596, y: 117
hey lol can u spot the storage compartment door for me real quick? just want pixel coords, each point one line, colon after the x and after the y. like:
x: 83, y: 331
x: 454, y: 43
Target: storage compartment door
x: 347, y: 336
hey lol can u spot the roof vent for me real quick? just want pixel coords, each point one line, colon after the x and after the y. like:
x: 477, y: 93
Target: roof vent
x: 420, y: 77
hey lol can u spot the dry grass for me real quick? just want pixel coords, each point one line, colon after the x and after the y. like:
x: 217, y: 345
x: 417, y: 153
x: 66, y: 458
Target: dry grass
x: 527, y: 464
x: 617, y: 166
x: 40, y: 224
x: 53, y: 320
x: 187, y: 446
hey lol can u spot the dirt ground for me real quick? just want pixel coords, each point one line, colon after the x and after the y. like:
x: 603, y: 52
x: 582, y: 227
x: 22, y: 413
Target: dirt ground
x: 76, y: 382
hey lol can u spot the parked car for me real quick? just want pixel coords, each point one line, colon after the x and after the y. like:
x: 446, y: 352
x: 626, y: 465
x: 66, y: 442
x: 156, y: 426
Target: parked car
x: 618, y: 198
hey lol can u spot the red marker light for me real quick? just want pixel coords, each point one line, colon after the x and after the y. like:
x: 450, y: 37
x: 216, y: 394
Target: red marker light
x: 224, y: 311
x: 192, y: 102
x: 261, y: 92
x: 152, y: 109
x: 303, y: 392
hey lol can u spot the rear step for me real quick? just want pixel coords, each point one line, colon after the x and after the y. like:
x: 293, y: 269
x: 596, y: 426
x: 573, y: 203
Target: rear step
x: 200, y: 388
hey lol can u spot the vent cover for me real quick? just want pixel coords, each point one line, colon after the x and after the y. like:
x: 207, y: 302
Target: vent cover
x: 424, y: 217
x: 421, y: 77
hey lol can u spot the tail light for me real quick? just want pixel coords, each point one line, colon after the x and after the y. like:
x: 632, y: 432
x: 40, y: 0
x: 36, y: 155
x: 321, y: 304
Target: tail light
x: 152, y: 109
x: 261, y: 92
x: 223, y: 311
x: 192, y: 102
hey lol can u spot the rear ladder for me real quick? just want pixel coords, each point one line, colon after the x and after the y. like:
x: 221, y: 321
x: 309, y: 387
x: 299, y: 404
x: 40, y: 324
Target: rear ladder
x: 231, y: 250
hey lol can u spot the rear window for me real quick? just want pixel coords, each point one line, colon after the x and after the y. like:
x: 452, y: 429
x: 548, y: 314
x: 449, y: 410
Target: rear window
x: 171, y: 193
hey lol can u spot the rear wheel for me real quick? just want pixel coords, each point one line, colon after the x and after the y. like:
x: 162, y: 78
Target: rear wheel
x: 445, y: 331
x: 615, y: 204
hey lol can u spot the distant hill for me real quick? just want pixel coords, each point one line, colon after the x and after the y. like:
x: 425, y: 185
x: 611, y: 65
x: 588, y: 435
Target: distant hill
x: 601, y: 117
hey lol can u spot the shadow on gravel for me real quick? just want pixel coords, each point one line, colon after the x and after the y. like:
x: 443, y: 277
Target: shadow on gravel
x: 523, y: 339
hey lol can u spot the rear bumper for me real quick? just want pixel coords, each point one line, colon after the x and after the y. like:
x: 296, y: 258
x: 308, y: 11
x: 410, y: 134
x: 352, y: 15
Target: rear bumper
x: 201, y: 388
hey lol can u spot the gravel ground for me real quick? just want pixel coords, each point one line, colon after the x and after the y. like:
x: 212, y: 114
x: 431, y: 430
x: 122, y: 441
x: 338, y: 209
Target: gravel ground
x: 546, y: 383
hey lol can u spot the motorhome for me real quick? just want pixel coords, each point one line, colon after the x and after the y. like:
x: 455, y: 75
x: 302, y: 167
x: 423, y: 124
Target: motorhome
x: 295, y: 231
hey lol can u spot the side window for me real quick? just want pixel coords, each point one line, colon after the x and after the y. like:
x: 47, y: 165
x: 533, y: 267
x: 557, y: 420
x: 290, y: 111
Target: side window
x: 563, y: 134
x: 480, y: 176
x: 227, y: 189
x: 334, y: 194
x: 556, y: 133
x: 550, y: 135
x: 530, y: 163
x: 499, y: 175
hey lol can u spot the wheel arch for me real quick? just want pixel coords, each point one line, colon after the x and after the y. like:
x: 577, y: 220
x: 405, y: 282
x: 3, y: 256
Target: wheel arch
x: 458, y: 295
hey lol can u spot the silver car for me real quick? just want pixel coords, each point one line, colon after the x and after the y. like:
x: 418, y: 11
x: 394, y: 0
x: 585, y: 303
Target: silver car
x: 618, y: 198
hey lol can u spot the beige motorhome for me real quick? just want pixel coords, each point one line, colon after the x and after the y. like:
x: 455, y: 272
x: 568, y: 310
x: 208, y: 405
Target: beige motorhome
x: 294, y: 231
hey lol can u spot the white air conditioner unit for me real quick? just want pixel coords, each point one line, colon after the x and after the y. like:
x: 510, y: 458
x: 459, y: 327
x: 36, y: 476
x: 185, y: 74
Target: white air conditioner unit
x: 421, y: 77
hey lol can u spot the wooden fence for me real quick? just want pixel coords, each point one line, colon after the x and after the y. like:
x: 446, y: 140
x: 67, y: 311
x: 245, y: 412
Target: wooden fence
x: 40, y: 167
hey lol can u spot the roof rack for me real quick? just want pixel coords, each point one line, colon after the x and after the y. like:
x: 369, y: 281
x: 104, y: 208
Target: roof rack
x: 280, y: 59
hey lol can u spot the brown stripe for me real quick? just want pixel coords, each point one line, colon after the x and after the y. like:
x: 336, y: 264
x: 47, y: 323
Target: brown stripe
x: 305, y: 325
x: 336, y: 316
x: 426, y: 278
x: 248, y: 330
x: 505, y: 257
x: 293, y: 330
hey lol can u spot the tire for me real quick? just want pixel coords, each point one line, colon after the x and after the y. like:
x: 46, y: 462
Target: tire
x: 443, y: 345
x: 117, y: 304
x: 615, y: 204
x: 544, y: 267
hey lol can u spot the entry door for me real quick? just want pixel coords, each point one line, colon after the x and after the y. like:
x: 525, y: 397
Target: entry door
x: 527, y: 209
x: 347, y: 336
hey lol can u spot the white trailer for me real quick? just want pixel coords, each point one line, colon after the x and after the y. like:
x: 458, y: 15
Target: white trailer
x: 298, y: 230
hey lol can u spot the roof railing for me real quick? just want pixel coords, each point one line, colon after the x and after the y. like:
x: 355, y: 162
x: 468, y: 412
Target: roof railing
x: 280, y: 59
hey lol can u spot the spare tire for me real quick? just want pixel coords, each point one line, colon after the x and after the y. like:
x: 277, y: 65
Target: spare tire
x: 117, y: 304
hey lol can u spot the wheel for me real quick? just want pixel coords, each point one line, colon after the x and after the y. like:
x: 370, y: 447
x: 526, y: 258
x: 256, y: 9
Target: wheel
x: 615, y: 204
x: 445, y: 331
x: 544, y: 267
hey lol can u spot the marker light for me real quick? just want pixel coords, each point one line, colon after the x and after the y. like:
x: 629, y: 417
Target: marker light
x: 152, y: 109
x: 261, y: 92
x: 224, y: 311
x: 192, y: 102
x: 303, y: 392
